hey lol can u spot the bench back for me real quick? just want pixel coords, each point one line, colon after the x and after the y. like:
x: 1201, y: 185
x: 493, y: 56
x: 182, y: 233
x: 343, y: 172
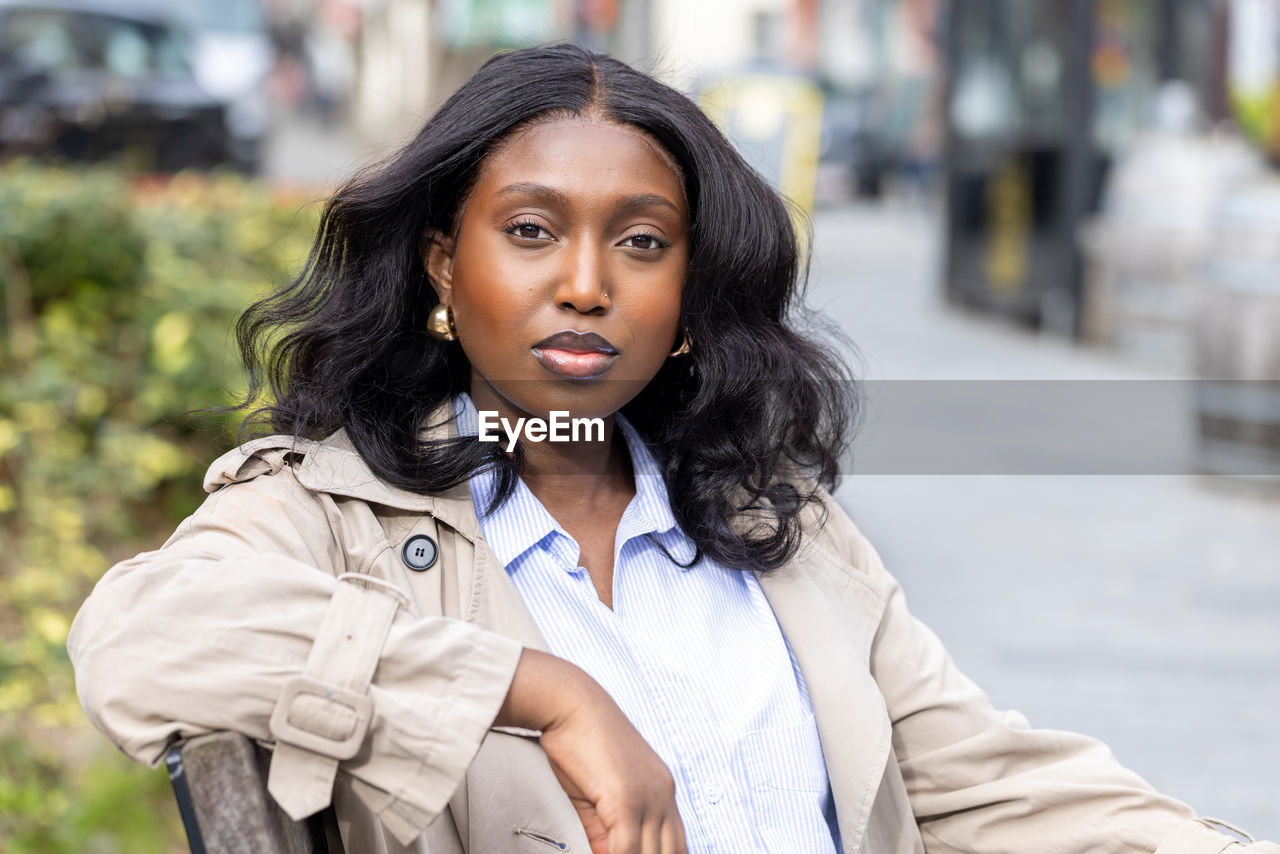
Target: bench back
x: 220, y: 781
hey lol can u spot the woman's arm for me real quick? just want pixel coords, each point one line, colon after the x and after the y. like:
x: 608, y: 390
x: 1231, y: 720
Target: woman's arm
x: 210, y: 631
x: 205, y: 633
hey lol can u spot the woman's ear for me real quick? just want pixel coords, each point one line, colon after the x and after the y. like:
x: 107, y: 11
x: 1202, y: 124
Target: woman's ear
x: 437, y: 257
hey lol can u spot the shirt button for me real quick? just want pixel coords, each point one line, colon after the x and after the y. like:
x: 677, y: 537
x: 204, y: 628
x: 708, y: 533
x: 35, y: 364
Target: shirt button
x: 714, y: 793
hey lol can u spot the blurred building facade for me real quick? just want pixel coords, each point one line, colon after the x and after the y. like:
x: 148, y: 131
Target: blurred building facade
x: 408, y: 55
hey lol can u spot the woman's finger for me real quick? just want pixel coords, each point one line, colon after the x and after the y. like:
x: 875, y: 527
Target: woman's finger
x: 682, y: 844
x: 651, y: 835
x: 673, y: 836
x: 624, y: 837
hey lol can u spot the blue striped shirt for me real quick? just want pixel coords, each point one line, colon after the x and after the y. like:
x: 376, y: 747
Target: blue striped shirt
x: 694, y: 658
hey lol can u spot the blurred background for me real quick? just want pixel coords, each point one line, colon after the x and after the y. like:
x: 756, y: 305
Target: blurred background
x: 1052, y: 230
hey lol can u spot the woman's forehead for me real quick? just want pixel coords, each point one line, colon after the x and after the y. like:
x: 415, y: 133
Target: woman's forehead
x: 583, y: 151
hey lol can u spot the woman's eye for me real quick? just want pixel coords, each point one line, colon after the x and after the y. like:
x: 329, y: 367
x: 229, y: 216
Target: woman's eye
x: 528, y: 230
x: 645, y: 241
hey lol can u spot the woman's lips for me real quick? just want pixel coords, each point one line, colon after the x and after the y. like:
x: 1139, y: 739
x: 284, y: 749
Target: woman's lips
x: 575, y: 363
x: 580, y: 355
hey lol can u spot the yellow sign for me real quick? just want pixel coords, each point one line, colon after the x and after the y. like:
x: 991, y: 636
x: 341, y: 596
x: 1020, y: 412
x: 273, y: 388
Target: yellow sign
x: 1008, y: 228
x: 775, y: 121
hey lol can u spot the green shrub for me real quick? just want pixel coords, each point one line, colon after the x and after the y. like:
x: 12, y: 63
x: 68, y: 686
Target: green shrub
x: 117, y: 299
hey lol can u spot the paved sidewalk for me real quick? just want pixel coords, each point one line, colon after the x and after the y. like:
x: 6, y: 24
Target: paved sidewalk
x: 1144, y: 610
x: 303, y: 153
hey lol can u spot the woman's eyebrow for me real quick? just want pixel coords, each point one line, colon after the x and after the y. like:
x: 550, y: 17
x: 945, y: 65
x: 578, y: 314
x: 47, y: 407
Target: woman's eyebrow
x: 644, y: 200
x: 538, y: 191
x: 556, y: 197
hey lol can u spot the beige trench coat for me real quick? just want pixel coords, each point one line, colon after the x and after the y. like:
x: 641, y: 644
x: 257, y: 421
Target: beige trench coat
x: 256, y: 606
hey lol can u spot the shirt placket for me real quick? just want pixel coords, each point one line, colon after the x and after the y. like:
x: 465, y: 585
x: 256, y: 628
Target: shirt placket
x: 705, y: 773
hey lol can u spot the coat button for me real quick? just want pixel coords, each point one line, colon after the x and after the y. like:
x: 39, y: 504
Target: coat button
x: 420, y: 553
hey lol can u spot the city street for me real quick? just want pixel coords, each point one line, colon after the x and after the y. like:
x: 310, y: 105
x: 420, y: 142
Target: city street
x: 1144, y: 610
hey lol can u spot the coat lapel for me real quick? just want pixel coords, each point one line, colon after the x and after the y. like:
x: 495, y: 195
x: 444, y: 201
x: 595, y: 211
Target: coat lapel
x: 829, y: 618
x: 510, y: 790
x: 510, y: 785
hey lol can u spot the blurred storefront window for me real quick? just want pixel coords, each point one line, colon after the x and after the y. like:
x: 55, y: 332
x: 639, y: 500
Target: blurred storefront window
x: 1042, y: 99
x: 496, y: 23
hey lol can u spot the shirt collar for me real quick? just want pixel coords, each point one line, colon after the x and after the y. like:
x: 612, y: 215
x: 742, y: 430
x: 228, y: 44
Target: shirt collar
x: 522, y: 522
x: 652, y: 502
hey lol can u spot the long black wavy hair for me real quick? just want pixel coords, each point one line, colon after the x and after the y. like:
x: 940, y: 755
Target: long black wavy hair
x: 746, y: 428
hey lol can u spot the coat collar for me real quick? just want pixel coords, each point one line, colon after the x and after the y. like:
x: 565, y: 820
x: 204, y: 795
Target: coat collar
x: 334, y: 466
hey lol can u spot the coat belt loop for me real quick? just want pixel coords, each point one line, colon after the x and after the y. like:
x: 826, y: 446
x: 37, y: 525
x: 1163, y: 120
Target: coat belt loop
x: 322, y: 716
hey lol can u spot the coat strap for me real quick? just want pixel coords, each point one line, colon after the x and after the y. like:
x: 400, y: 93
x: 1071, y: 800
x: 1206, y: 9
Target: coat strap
x: 322, y: 716
x: 1199, y: 836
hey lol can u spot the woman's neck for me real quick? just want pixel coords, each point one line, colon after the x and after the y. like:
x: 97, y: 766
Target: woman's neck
x: 569, y: 478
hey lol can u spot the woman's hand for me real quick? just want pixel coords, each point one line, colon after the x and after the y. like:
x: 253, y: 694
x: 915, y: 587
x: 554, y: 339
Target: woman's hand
x: 622, y: 791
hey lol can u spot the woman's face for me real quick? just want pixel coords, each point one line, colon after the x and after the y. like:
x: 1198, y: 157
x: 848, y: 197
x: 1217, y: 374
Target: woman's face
x: 566, y: 273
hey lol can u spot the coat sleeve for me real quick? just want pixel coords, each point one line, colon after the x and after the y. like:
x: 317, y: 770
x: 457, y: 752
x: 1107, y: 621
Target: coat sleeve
x: 205, y: 633
x: 982, y: 781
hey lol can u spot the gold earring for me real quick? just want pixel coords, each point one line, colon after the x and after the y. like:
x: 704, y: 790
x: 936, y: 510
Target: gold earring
x: 440, y: 323
x: 686, y: 346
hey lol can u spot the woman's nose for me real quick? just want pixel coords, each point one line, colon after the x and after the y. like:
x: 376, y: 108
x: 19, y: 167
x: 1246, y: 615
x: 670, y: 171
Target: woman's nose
x: 582, y: 284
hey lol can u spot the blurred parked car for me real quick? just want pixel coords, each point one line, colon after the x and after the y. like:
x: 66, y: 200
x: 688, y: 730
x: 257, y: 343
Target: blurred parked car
x: 232, y: 55
x: 99, y: 79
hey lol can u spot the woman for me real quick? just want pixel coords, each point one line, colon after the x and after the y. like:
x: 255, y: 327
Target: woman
x: 654, y: 634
